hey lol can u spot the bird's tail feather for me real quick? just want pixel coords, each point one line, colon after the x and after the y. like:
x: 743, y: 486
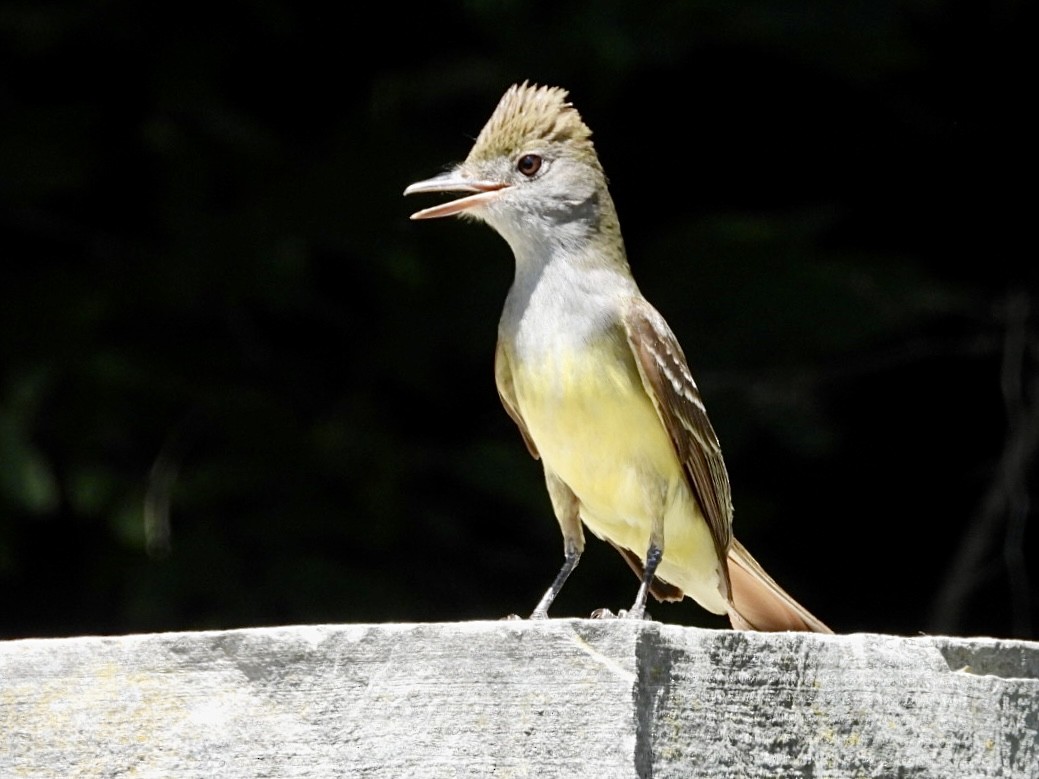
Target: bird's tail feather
x: 758, y: 603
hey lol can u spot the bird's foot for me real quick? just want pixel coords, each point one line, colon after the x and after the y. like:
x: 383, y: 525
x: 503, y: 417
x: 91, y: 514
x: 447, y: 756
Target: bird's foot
x: 605, y: 613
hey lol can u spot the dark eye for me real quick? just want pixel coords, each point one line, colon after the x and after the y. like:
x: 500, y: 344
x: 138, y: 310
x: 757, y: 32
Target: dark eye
x: 529, y: 164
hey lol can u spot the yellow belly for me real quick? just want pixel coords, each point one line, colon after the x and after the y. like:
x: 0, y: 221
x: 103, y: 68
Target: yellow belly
x: 597, y: 430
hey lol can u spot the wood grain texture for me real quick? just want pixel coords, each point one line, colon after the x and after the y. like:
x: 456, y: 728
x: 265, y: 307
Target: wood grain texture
x: 556, y: 698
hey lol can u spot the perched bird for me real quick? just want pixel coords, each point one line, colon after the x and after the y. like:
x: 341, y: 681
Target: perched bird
x: 593, y: 375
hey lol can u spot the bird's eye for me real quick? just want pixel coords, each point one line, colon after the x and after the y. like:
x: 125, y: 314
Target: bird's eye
x: 529, y: 164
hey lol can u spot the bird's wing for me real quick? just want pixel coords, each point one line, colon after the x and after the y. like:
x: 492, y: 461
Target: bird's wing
x: 666, y: 377
x: 507, y: 393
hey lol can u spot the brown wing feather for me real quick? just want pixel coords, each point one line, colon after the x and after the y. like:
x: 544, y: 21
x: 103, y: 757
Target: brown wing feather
x: 507, y: 393
x: 666, y: 377
x: 756, y: 601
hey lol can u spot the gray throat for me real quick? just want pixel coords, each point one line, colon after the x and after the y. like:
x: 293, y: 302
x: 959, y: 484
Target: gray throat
x: 564, y: 301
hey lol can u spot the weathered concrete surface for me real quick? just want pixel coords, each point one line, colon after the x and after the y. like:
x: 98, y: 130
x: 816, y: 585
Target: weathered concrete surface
x: 566, y: 698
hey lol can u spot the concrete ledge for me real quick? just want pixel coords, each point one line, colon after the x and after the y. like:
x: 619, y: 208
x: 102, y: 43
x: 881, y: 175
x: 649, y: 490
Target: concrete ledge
x: 561, y: 698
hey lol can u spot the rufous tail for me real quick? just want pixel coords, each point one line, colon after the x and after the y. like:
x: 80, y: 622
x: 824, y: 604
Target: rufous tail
x: 758, y: 603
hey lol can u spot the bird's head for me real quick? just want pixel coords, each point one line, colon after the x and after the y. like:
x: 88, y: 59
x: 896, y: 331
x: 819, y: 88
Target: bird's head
x: 532, y: 174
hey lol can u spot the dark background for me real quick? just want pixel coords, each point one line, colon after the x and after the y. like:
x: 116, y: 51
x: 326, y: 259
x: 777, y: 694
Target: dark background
x: 238, y: 387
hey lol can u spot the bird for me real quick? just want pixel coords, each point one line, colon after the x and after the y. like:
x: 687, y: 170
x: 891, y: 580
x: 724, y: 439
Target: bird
x: 593, y: 376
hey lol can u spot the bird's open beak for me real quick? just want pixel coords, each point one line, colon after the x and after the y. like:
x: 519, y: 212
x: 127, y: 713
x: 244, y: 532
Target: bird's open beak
x: 453, y: 181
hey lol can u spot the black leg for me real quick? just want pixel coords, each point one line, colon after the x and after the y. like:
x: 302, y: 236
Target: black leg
x: 653, y: 555
x: 573, y: 557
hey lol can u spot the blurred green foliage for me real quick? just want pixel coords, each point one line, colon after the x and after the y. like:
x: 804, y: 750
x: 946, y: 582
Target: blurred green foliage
x: 239, y: 387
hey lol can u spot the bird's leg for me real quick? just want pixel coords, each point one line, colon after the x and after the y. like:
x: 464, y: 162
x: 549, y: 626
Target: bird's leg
x: 653, y: 555
x: 573, y: 557
x: 568, y: 511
